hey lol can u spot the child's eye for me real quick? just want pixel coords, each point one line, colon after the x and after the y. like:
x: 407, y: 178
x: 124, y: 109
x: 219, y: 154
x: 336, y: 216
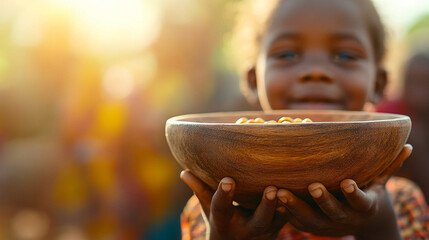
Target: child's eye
x: 289, y: 55
x: 344, y: 57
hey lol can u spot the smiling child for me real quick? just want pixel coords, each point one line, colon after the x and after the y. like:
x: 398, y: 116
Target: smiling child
x: 313, y: 54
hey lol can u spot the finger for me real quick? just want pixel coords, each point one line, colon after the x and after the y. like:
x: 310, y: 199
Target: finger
x: 327, y: 202
x: 357, y: 199
x: 203, y: 192
x: 222, y: 208
x: 397, y: 163
x: 300, y: 212
x: 264, y: 213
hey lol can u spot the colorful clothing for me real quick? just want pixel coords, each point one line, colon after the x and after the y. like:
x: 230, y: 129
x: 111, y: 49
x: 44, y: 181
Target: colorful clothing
x: 412, y: 212
x: 410, y: 207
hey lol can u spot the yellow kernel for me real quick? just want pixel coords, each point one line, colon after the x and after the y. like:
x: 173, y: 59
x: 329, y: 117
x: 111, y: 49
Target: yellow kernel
x: 259, y: 120
x: 271, y: 121
x: 307, y: 120
x: 285, y: 119
x: 251, y: 121
x: 242, y: 120
x: 297, y: 120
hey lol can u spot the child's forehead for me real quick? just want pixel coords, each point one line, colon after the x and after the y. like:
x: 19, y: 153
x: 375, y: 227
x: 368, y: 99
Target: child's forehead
x: 320, y: 14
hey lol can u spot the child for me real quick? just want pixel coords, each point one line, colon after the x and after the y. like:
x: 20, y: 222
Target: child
x: 313, y: 54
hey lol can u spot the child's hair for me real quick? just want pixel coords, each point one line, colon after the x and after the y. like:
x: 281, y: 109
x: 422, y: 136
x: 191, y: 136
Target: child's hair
x: 253, y: 18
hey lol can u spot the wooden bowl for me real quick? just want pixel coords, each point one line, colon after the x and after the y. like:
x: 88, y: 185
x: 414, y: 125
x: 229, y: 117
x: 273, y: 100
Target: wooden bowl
x: 336, y: 146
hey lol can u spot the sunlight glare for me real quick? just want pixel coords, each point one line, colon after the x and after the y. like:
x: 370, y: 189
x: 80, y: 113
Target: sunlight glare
x: 111, y: 27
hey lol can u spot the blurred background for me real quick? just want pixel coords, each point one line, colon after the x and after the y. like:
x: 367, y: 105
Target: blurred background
x: 85, y: 89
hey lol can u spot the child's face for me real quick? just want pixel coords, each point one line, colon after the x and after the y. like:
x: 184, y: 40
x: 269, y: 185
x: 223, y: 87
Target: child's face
x: 316, y: 55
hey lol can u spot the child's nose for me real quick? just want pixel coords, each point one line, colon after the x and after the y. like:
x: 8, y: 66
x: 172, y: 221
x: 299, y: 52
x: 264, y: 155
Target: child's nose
x: 316, y: 67
x: 317, y: 73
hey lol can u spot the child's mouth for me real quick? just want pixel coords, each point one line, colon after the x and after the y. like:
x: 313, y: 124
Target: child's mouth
x: 316, y: 96
x: 317, y: 105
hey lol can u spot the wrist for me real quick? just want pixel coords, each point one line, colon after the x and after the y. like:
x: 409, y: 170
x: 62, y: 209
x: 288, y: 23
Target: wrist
x: 385, y: 226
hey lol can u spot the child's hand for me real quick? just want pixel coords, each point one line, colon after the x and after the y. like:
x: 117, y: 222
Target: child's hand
x: 368, y: 214
x: 226, y: 221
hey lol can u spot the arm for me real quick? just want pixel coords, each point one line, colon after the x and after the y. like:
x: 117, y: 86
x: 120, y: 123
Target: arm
x: 226, y: 221
x: 367, y: 214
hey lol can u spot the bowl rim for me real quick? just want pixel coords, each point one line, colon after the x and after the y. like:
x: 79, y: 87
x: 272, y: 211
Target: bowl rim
x: 183, y: 119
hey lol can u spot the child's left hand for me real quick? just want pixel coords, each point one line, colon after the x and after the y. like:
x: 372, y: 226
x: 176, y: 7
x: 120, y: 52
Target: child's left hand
x: 226, y: 221
x: 368, y: 213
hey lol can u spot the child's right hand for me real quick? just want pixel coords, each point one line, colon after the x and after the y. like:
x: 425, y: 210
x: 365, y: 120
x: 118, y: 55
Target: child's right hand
x: 368, y: 213
x: 226, y: 221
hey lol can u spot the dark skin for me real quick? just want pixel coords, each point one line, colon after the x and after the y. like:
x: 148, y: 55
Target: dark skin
x: 313, y: 55
x: 226, y: 221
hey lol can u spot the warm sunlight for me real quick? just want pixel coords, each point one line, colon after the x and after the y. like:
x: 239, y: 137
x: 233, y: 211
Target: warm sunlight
x: 111, y: 27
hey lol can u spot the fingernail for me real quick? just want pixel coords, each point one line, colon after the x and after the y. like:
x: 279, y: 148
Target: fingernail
x: 271, y: 194
x: 349, y: 188
x: 282, y: 197
x: 316, y: 193
x: 182, y: 173
x: 226, y: 187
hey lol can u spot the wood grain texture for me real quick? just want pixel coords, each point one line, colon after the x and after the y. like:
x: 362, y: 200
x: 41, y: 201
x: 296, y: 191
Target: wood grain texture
x: 338, y: 145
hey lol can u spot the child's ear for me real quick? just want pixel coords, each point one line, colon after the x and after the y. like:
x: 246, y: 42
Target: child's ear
x: 380, y: 85
x: 250, y: 87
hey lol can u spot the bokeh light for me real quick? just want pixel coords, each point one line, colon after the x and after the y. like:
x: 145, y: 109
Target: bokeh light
x: 118, y: 82
x: 30, y: 225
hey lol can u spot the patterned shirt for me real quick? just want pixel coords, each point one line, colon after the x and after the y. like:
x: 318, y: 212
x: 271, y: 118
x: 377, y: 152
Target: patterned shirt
x: 411, y: 210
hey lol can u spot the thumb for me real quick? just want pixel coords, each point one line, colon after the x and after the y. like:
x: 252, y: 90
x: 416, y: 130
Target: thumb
x: 396, y: 164
x: 203, y: 192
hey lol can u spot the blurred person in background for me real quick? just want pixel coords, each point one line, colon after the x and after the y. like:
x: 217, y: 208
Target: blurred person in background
x: 414, y: 102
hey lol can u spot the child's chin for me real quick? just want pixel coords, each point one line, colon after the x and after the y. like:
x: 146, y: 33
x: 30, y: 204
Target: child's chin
x: 316, y: 106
